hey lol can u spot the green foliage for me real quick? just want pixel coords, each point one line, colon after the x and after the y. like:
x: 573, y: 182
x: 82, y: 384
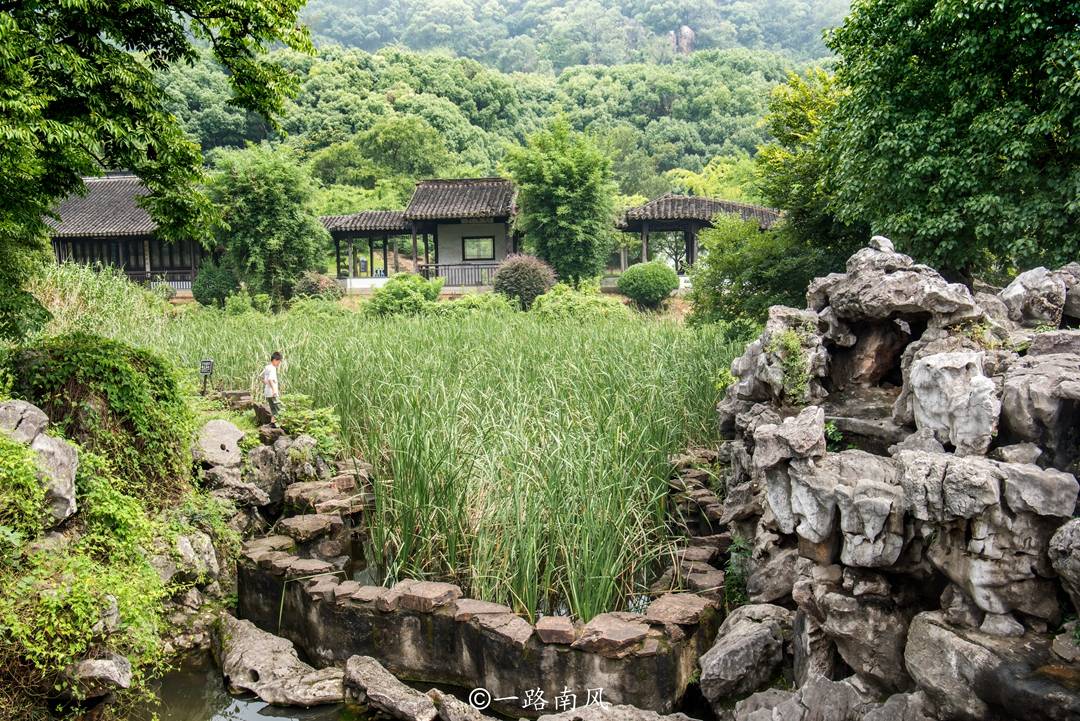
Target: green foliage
x: 405, y: 145
x: 317, y: 309
x: 122, y: 402
x: 316, y: 285
x: 22, y: 494
x: 271, y: 231
x: 731, y: 177
x: 788, y: 346
x: 742, y: 271
x: 565, y: 303
x: 834, y: 437
x: 214, y: 283
x: 736, y: 572
x: 82, y: 92
x: 472, y: 303
x: 648, y: 284
x: 956, y: 133
x: 239, y: 302
x: 403, y: 294
x: 566, y: 200
x: 298, y: 416
x: 523, y: 278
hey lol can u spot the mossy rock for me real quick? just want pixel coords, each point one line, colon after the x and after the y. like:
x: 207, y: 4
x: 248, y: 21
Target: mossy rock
x: 122, y: 402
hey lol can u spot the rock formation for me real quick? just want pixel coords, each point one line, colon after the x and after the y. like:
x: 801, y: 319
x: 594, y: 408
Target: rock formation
x: 933, y: 557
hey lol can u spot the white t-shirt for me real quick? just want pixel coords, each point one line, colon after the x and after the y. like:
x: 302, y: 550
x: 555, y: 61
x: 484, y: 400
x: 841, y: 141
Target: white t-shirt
x: 269, y: 378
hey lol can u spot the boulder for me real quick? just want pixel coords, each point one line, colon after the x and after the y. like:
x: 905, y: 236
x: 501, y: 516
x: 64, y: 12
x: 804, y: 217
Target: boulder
x: 263, y: 470
x: 813, y: 653
x: 99, y: 676
x: 266, y: 665
x: 952, y: 397
x: 1070, y: 276
x: 301, y: 462
x: 1035, y: 297
x: 1055, y: 341
x: 818, y: 700
x: 681, y: 608
x: 971, y: 675
x: 57, y: 462
x: 218, y: 444
x: 1040, y: 403
x: 366, y: 681
x: 771, y: 573
x: 1064, y: 552
x: 871, y: 521
x: 449, y: 708
x: 467, y: 608
x: 747, y: 653
x: 560, y: 629
x: 612, y: 634
x: 21, y: 421
x: 610, y: 712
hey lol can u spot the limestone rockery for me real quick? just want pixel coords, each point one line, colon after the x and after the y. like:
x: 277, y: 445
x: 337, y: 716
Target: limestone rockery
x: 902, y: 462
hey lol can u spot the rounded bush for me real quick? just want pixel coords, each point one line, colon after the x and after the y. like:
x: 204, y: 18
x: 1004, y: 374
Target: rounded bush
x: 213, y: 284
x: 523, y: 278
x: 563, y: 302
x: 317, y: 285
x: 403, y: 294
x: 648, y: 284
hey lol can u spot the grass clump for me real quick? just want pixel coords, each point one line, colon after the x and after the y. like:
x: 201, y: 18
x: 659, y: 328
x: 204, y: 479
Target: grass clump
x: 736, y: 572
x: 122, y: 402
x: 565, y: 303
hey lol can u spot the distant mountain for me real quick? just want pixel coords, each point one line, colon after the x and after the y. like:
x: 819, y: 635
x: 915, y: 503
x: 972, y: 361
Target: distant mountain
x: 549, y: 35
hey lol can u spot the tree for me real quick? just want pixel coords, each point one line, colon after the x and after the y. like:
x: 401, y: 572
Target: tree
x: 270, y: 229
x: 565, y: 200
x: 406, y: 145
x: 957, y: 131
x: 80, y: 89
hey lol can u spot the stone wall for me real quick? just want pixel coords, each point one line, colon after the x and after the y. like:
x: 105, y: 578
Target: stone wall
x: 425, y: 631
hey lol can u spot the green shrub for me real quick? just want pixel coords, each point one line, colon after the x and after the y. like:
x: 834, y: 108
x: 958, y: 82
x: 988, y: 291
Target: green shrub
x: 323, y: 424
x: 736, y: 571
x: 316, y: 285
x: 403, y: 294
x: 214, y: 283
x: 164, y: 291
x: 472, y: 303
x: 318, y: 308
x: 239, y: 303
x: 562, y: 302
x: 261, y: 302
x: 793, y: 360
x: 22, y: 495
x: 648, y: 284
x: 122, y: 402
x: 523, y: 278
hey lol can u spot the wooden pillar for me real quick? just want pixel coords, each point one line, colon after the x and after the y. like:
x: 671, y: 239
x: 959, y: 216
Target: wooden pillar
x: 622, y: 258
x: 352, y: 257
x: 385, y: 261
x: 644, y: 241
x: 688, y: 243
x: 371, y: 257
x: 415, y: 255
x: 427, y: 250
x: 146, y: 256
x: 337, y: 256
x: 397, y: 264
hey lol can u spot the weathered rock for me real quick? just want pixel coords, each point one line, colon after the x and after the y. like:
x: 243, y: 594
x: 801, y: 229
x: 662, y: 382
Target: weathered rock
x: 1001, y: 624
x: 772, y: 573
x: 95, y: 677
x: 1070, y: 276
x: 1016, y: 453
x: 1035, y: 297
x: 425, y: 596
x: 308, y: 527
x: 813, y: 653
x: 683, y: 608
x: 1065, y: 646
x: 902, y: 707
x: 1053, y: 342
x: 556, y: 629
x: 263, y: 470
x: 467, y: 608
x: 1064, y: 552
x: 301, y: 461
x: 191, y: 558
x: 21, y: 421
x: 973, y: 676
x: 450, y: 708
x: 218, y: 444
x: 872, y: 522
x: 818, y: 700
x: 747, y: 653
x: 1040, y: 403
x: 958, y: 608
x: 268, y: 666
x: 610, y: 712
x: 875, y: 355
x: 612, y: 634
x: 953, y: 398
x: 57, y: 462
x: 506, y: 626
x: 226, y: 484
x: 366, y: 680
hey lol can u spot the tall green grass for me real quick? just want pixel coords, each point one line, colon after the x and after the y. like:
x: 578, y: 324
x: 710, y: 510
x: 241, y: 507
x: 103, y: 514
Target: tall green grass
x: 526, y: 460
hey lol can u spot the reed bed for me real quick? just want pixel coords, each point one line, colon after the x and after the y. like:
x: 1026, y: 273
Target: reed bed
x: 525, y: 460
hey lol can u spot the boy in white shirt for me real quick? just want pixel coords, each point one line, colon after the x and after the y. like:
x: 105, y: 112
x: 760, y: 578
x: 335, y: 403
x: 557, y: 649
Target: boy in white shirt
x: 271, y: 390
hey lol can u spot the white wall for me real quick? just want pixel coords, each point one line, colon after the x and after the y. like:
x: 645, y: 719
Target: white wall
x: 450, y: 236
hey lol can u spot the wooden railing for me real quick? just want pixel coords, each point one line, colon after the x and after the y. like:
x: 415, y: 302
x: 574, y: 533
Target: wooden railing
x: 461, y: 274
x: 178, y: 279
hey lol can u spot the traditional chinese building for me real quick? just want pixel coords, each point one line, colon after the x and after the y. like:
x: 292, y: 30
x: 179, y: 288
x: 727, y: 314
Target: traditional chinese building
x: 107, y: 226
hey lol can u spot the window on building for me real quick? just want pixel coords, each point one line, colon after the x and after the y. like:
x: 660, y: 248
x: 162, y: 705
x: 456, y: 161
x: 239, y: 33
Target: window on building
x: 478, y: 248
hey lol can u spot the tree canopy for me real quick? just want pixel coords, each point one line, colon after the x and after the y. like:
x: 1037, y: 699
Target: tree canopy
x: 80, y: 92
x: 565, y: 200
x: 957, y: 132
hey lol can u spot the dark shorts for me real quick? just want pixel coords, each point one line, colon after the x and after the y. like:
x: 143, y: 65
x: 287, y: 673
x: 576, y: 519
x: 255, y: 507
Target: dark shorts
x: 275, y: 405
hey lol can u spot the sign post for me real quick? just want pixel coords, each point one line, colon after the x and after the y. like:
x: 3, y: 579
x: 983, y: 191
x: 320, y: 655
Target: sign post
x: 206, y: 369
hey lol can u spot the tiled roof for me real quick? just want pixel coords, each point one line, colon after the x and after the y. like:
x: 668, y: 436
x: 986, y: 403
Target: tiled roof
x: 461, y: 199
x: 108, y: 209
x: 387, y: 221
x: 687, y: 207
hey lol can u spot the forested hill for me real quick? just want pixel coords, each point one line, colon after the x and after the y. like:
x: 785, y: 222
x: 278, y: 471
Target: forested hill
x: 369, y: 124
x: 544, y: 35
